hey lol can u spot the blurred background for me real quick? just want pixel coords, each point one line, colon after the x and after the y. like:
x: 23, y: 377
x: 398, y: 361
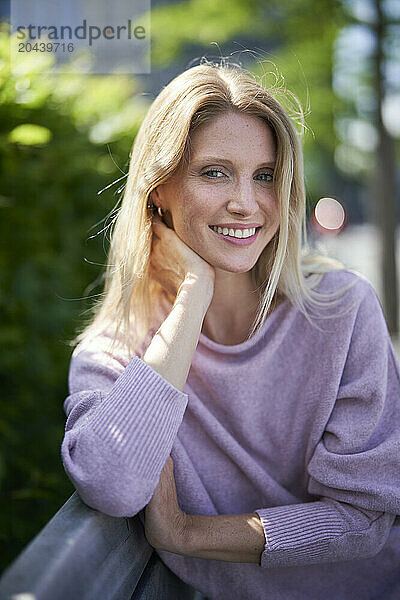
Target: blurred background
x: 65, y: 137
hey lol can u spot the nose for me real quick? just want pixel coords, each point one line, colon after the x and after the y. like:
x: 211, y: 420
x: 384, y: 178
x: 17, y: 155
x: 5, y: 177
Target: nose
x: 243, y: 199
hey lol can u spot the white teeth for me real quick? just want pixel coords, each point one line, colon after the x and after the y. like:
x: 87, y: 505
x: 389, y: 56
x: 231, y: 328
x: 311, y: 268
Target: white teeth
x: 237, y: 233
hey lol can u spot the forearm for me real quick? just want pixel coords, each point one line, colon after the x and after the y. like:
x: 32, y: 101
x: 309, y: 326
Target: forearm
x: 292, y: 541
x: 232, y: 538
x: 171, y: 350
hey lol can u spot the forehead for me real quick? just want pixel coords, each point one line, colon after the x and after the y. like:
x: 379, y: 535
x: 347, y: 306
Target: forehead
x: 233, y: 134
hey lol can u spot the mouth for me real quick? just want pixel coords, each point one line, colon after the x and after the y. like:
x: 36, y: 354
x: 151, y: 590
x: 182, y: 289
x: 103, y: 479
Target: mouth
x: 244, y: 241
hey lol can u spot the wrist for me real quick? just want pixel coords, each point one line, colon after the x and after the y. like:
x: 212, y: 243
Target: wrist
x: 200, y: 287
x: 232, y: 538
x: 182, y: 534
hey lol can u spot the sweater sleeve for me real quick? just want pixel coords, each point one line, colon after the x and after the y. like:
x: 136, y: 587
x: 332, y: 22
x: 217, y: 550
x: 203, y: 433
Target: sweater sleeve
x: 121, y: 425
x: 354, y: 469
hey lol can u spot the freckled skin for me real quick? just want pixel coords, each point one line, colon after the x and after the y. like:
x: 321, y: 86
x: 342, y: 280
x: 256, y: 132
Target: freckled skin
x: 239, y: 192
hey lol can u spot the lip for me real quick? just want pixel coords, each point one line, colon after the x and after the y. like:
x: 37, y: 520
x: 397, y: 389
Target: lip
x: 236, y: 225
x: 237, y: 241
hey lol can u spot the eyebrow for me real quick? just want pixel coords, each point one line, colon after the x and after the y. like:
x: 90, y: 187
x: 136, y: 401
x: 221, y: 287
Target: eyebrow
x: 216, y: 159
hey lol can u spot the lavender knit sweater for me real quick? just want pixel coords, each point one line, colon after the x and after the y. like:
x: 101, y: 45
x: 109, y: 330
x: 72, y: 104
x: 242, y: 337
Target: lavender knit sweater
x: 299, y: 425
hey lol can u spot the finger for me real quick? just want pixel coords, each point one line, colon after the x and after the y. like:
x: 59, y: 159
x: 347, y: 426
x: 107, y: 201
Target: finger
x: 159, y: 224
x: 157, y: 220
x: 169, y: 466
x: 158, y: 228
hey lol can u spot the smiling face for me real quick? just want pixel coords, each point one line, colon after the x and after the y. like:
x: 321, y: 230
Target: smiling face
x: 227, y: 183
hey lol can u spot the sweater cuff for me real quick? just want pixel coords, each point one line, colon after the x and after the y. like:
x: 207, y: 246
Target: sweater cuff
x: 141, y: 413
x: 298, y: 534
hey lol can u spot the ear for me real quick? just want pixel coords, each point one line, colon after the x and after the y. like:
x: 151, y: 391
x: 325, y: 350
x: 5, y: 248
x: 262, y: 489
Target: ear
x: 155, y: 197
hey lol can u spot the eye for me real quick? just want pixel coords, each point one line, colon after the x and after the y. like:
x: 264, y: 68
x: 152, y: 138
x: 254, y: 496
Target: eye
x: 267, y: 177
x: 211, y: 173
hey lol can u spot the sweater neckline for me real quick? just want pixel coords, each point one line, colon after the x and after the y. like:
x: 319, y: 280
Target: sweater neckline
x: 246, y: 344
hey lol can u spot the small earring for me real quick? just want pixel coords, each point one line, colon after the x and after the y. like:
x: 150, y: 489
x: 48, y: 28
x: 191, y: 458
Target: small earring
x: 160, y: 211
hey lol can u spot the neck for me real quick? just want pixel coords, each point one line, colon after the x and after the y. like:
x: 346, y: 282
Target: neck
x: 232, y: 309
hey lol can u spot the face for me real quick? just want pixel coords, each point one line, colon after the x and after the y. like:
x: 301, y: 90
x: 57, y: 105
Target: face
x: 228, y: 184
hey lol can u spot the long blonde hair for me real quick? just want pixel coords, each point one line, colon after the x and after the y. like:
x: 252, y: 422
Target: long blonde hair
x: 286, y: 266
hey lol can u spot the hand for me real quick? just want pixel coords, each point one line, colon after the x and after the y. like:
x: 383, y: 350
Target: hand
x: 165, y: 522
x: 172, y: 260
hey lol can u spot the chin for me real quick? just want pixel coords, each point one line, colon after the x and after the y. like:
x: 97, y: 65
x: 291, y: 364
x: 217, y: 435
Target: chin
x: 233, y: 268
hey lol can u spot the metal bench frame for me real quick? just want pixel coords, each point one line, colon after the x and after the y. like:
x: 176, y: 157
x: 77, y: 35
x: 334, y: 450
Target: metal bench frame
x: 83, y: 554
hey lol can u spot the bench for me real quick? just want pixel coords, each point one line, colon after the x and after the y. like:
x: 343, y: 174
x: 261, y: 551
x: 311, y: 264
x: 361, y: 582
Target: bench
x: 83, y: 554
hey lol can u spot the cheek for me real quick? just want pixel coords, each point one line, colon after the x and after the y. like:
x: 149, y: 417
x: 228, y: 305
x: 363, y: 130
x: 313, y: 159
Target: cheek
x: 187, y: 219
x: 277, y: 216
x: 272, y: 209
x: 194, y: 209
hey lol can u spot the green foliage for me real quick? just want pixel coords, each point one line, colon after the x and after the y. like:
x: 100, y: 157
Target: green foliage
x: 30, y: 135
x: 198, y: 21
x: 56, y: 132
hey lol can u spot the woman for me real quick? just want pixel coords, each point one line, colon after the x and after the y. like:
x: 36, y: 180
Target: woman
x: 240, y: 389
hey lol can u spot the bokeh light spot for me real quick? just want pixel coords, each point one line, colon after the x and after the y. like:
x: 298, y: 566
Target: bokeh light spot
x: 329, y: 214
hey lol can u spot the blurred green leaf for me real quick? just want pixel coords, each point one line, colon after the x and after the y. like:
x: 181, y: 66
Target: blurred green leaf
x: 30, y: 135
x: 57, y: 133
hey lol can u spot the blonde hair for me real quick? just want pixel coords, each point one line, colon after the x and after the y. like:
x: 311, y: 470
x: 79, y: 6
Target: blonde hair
x: 162, y: 145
